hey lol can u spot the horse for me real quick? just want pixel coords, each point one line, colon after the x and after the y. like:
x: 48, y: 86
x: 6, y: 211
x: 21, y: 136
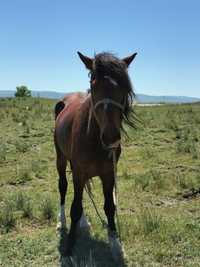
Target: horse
x: 87, y: 128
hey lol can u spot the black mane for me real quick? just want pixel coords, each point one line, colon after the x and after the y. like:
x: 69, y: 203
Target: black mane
x: 110, y: 65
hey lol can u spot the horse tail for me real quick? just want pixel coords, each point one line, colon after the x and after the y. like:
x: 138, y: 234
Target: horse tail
x: 58, y: 108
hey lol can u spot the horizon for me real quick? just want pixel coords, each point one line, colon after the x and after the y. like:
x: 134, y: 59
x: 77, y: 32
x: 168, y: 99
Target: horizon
x: 40, y: 41
x: 61, y: 92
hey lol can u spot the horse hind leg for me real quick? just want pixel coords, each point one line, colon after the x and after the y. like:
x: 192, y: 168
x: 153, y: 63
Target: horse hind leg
x: 61, y: 164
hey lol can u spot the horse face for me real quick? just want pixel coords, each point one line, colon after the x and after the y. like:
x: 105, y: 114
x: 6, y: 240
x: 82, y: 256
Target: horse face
x: 108, y: 115
x: 108, y: 95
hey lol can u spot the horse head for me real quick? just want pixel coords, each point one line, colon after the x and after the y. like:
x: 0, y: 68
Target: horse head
x: 111, y: 94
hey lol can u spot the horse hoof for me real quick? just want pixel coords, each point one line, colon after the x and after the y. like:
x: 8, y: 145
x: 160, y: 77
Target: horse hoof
x: 83, y: 231
x: 117, y: 249
x: 84, y: 226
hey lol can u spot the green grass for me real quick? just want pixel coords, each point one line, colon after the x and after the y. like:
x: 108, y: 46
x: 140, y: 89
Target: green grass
x: 7, y: 218
x: 158, y: 165
x: 47, y: 209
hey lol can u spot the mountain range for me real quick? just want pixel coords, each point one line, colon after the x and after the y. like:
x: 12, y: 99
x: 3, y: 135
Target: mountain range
x: 140, y: 98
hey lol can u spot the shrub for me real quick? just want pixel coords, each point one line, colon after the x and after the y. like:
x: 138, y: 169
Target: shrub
x: 187, y: 142
x: 47, y: 209
x: 23, y: 176
x: 23, y: 203
x: 149, y: 180
x: 142, y: 180
x: 149, y: 221
x: 21, y: 146
x: 2, y: 152
x: 22, y: 91
x: 185, y: 181
x: 7, y: 218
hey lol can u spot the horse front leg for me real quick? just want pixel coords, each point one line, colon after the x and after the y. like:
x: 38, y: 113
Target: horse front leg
x: 83, y: 225
x: 109, y: 208
x: 75, y: 213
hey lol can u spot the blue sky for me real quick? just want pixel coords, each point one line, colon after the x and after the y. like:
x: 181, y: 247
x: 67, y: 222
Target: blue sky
x: 39, y: 40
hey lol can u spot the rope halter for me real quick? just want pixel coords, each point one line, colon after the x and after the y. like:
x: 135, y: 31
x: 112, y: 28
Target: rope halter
x: 105, y: 102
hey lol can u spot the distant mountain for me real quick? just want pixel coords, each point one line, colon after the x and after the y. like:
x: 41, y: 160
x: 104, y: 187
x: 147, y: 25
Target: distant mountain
x: 165, y: 99
x: 43, y: 94
x: 140, y: 98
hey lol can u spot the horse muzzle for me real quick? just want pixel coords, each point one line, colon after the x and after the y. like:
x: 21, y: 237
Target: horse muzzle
x: 111, y: 142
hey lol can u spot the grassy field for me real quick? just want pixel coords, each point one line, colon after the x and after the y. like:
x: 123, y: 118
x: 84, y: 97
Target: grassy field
x: 159, y: 165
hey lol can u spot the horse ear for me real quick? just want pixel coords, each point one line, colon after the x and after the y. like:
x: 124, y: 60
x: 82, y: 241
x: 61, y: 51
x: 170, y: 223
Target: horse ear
x: 86, y: 60
x: 128, y: 60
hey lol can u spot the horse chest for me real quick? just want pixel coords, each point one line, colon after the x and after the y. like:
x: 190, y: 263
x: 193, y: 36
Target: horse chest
x: 93, y: 162
x: 94, y: 168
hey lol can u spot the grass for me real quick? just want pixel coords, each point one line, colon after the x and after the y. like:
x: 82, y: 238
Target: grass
x: 158, y: 165
x: 22, y: 202
x: 148, y: 221
x: 47, y: 209
x: 7, y: 218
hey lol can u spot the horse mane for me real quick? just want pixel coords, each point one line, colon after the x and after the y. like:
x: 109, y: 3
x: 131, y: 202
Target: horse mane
x: 108, y: 64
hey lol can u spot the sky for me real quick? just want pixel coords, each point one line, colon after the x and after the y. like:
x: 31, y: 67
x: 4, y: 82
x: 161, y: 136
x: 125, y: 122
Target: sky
x: 39, y: 40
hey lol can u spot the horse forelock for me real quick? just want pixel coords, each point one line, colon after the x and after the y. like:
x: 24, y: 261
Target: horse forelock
x: 110, y: 65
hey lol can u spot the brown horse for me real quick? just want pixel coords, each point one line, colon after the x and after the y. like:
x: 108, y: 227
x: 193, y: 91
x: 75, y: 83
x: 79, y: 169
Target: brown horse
x: 87, y: 128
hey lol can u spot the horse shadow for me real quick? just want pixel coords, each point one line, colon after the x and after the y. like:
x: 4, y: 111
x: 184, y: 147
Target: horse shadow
x: 88, y: 251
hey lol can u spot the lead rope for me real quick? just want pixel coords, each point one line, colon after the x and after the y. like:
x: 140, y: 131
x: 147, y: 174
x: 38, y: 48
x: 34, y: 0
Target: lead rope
x: 103, y: 222
x: 115, y: 195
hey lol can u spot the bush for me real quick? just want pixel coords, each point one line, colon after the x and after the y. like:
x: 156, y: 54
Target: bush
x: 149, y: 221
x: 7, y: 218
x: 151, y: 180
x: 22, y: 91
x: 47, y: 209
x: 21, y: 146
x: 24, y: 175
x: 2, y: 152
x: 23, y: 203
